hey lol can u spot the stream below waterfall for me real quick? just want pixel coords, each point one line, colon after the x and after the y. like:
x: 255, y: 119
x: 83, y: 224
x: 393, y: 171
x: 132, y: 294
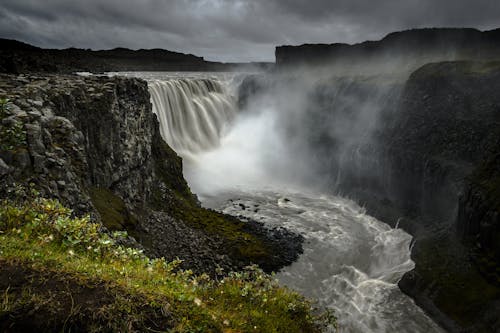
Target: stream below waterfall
x: 351, y: 261
x: 236, y: 163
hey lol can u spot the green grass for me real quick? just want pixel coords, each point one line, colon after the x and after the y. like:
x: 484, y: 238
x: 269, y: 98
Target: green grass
x: 42, y: 235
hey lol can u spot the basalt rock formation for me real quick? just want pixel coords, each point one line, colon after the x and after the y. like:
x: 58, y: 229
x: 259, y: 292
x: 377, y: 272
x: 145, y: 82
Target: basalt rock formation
x: 94, y: 144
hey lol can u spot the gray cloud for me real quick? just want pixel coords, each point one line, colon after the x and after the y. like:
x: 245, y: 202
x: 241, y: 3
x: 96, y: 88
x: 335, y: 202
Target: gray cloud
x: 229, y: 30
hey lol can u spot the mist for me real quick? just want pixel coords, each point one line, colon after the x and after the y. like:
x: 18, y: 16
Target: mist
x: 299, y: 130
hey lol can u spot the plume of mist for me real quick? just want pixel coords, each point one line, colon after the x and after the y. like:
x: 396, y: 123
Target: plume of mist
x: 316, y: 127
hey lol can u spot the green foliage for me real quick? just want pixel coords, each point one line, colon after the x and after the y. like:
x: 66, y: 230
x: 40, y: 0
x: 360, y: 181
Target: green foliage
x: 43, y: 235
x: 12, y: 136
x: 114, y: 213
x: 4, y: 104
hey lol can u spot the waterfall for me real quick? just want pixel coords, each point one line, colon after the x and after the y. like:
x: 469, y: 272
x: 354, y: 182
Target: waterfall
x: 259, y: 169
x: 193, y: 113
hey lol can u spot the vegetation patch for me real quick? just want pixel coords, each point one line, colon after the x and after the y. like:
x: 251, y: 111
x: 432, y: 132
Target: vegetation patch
x: 114, y: 214
x: 64, y: 274
x: 12, y: 133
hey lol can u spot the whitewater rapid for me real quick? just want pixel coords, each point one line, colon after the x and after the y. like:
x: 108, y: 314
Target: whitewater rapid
x: 351, y: 261
x: 236, y: 163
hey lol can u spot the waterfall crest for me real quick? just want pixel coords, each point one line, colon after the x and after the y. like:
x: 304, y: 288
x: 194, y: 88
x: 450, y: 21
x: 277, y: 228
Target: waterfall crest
x: 193, y: 113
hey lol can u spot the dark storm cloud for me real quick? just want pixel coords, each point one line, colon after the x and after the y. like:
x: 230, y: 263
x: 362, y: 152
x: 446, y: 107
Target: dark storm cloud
x: 229, y: 30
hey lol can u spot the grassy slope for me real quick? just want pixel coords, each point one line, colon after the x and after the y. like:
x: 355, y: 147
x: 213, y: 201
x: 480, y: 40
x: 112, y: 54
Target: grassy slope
x: 113, y: 288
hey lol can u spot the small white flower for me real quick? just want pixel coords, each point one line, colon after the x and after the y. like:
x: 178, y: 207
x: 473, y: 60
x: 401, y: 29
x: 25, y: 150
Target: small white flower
x: 197, y: 301
x: 226, y: 322
x: 71, y: 252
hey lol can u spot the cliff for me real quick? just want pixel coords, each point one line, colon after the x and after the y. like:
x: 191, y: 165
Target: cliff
x: 94, y: 144
x: 415, y: 47
x: 449, y: 126
x: 17, y: 57
x: 428, y: 165
x: 420, y: 152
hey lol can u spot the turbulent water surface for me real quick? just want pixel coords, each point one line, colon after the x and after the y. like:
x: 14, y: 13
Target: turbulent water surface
x: 351, y: 262
x: 237, y: 163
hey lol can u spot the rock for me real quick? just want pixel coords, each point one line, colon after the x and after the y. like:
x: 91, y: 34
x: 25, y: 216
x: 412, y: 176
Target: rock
x: 34, y: 137
x: 15, y: 110
x: 36, y: 103
x: 4, y: 168
x: 34, y: 114
x: 22, y: 160
x: 38, y: 163
x: 47, y: 112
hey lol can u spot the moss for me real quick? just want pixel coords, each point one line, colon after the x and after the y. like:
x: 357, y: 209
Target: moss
x: 457, y: 287
x: 63, y: 273
x: 449, y: 69
x: 13, y: 136
x: 114, y: 214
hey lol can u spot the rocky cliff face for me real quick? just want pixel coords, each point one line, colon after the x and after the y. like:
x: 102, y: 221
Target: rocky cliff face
x: 441, y: 127
x: 478, y: 219
x: 448, y: 125
x: 94, y: 144
x: 411, y: 48
x: 417, y: 152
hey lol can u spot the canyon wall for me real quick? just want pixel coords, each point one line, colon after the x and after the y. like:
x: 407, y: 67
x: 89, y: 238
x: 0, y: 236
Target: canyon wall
x: 404, y: 48
x: 419, y: 149
x: 94, y: 144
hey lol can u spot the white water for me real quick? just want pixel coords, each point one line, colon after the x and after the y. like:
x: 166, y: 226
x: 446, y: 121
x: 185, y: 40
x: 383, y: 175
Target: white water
x: 351, y: 262
x: 206, y: 111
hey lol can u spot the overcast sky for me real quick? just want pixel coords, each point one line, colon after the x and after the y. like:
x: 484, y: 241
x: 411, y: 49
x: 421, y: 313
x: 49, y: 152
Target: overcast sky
x: 229, y: 30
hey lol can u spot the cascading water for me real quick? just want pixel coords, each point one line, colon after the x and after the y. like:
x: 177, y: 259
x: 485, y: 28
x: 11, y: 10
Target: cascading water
x: 193, y: 113
x: 351, y: 262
